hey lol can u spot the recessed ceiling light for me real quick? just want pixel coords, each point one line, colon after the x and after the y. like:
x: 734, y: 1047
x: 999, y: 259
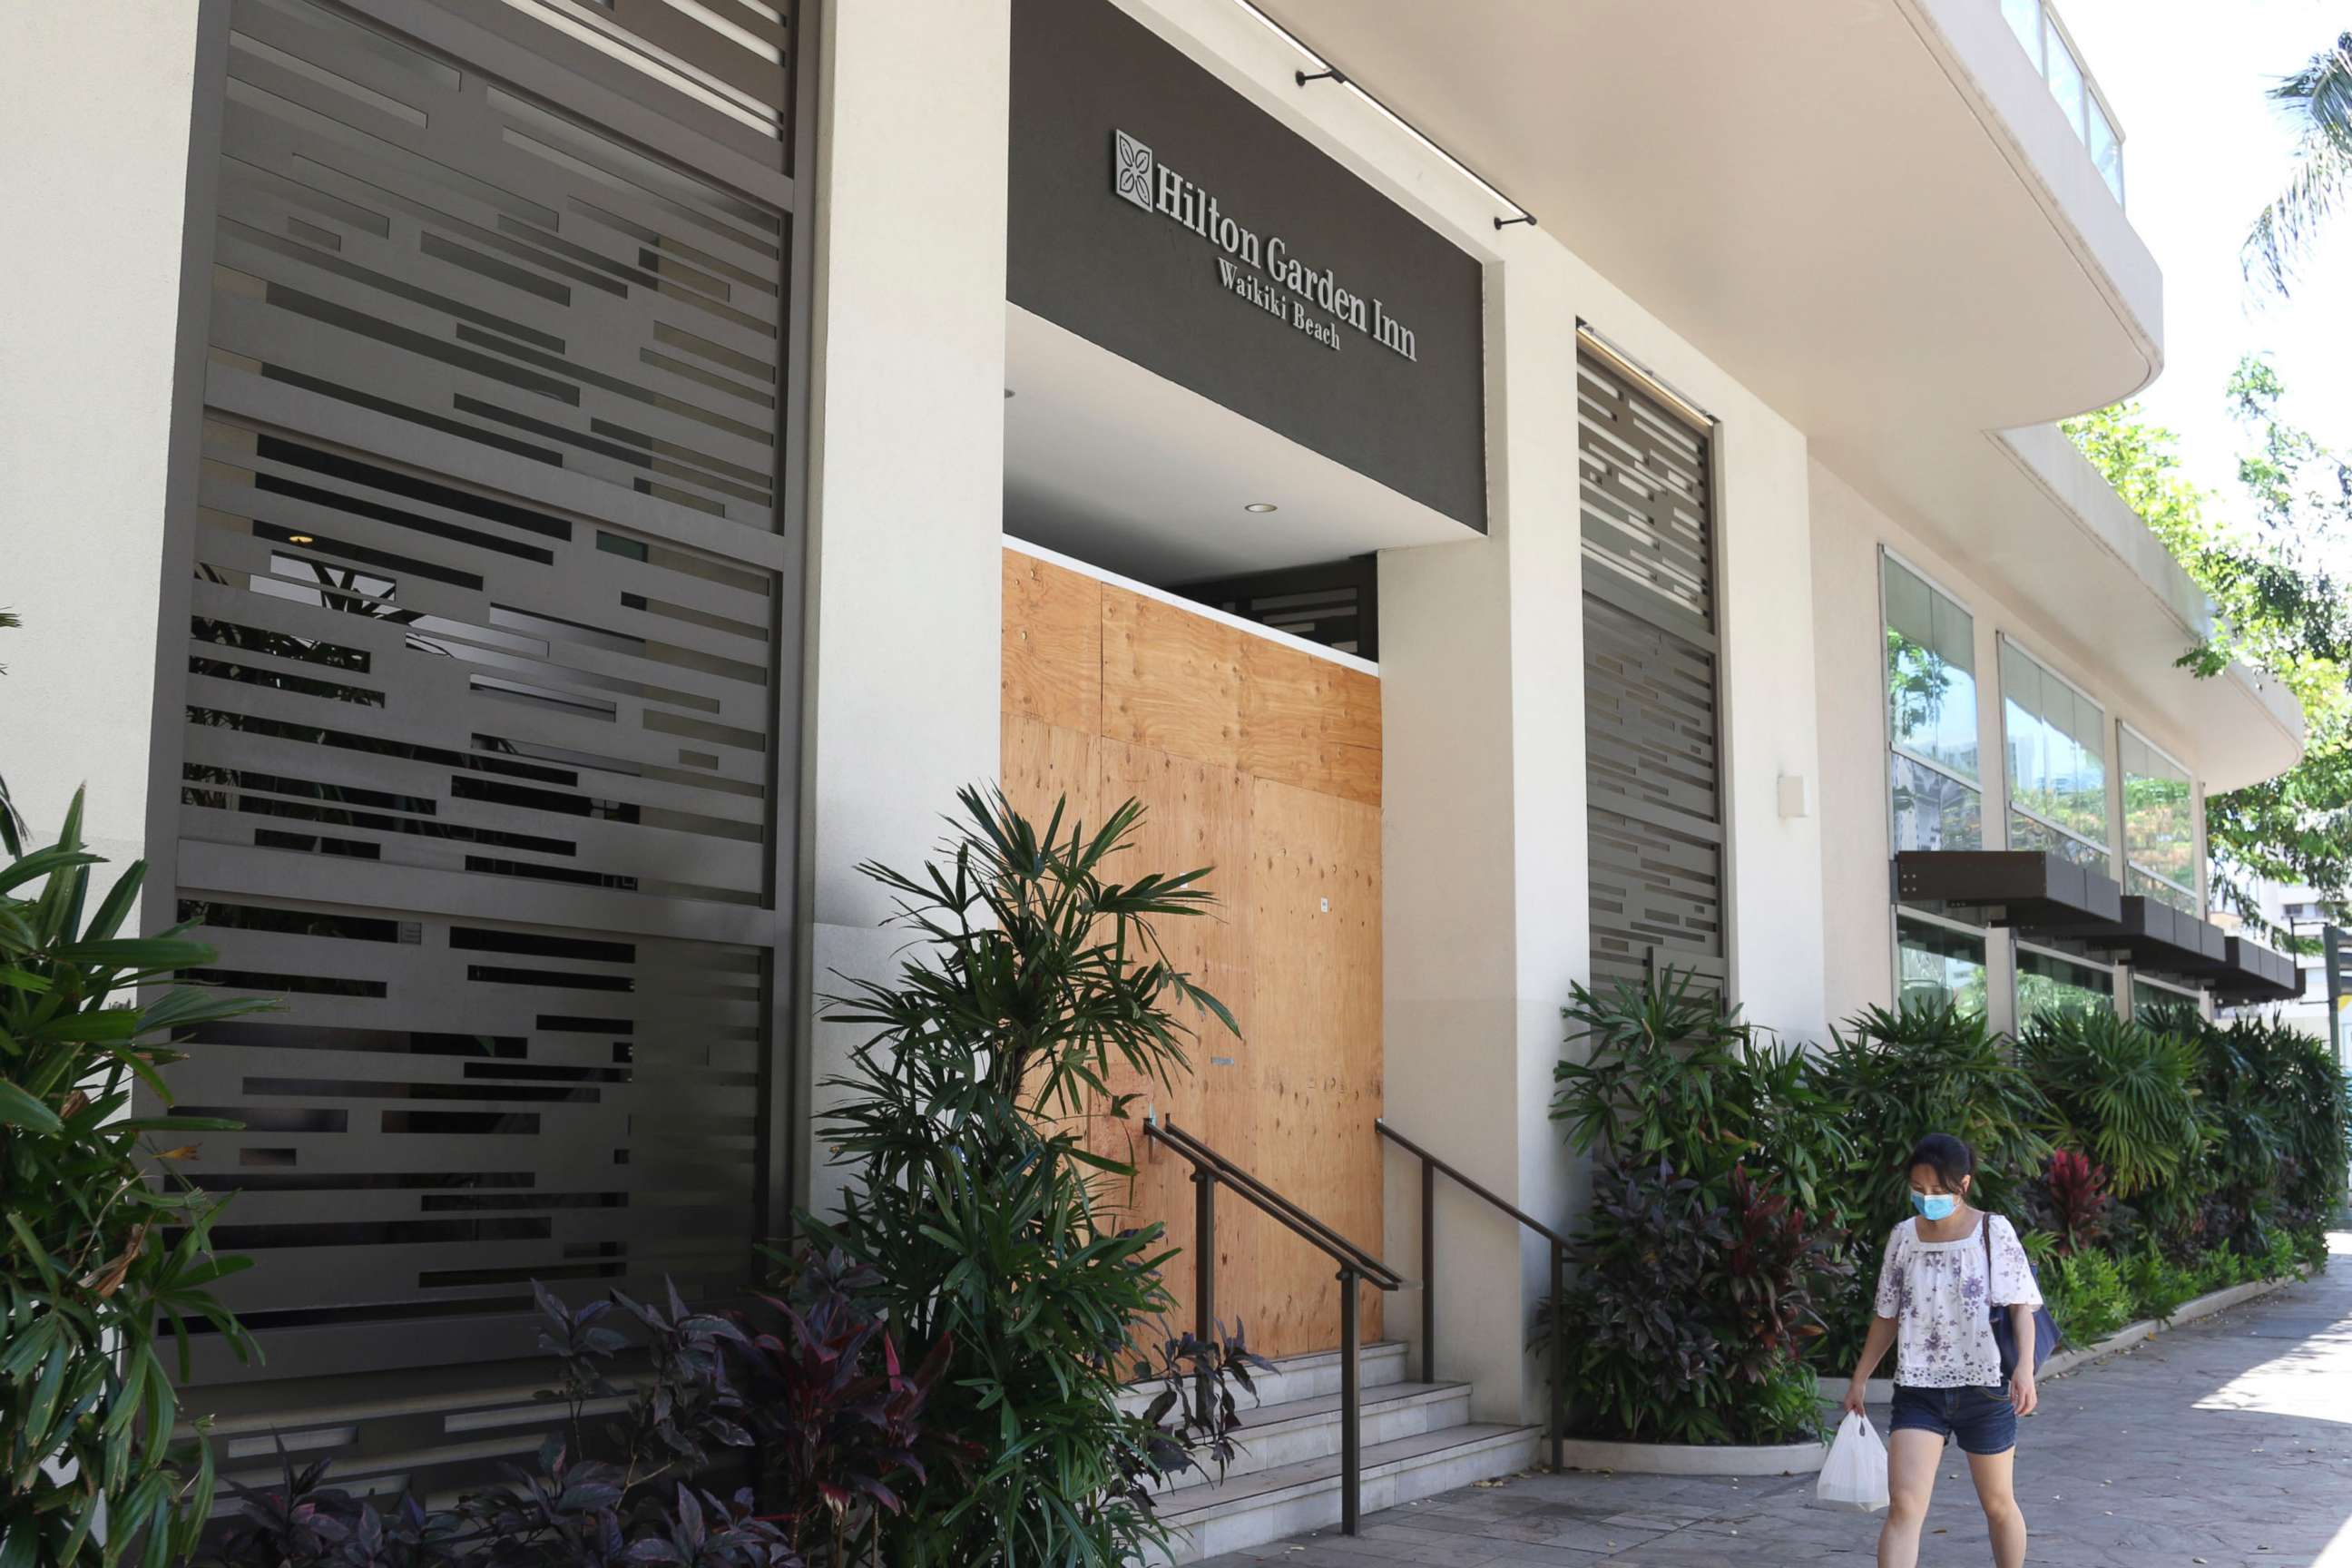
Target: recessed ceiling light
x: 299, y: 539
x: 1261, y: 506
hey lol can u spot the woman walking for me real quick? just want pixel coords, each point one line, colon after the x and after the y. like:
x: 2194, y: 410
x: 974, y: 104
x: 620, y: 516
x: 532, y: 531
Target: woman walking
x: 1941, y: 1272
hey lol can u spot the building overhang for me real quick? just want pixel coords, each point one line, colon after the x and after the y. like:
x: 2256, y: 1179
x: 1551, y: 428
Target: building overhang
x: 1872, y: 212
x: 2036, y: 893
x: 2254, y: 973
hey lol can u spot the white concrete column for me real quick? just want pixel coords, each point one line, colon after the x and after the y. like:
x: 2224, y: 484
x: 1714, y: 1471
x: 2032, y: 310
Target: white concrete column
x: 908, y: 431
x: 96, y: 123
x: 1483, y: 853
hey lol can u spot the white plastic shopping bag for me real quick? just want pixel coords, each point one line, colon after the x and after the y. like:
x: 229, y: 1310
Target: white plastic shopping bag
x: 1855, y: 1475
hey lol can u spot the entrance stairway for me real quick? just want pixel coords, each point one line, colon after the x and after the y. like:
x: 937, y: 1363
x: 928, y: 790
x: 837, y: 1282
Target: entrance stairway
x: 1417, y: 1440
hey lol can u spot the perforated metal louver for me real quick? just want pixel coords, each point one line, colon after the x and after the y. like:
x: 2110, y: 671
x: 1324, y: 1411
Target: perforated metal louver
x: 1652, y: 686
x: 489, y: 691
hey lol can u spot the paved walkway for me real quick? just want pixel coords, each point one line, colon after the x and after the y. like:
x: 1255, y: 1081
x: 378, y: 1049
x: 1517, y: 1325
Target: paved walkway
x: 2224, y: 1442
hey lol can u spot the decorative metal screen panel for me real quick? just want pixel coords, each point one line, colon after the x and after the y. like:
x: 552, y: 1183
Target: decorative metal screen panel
x: 489, y: 690
x: 1336, y: 605
x: 1652, y: 686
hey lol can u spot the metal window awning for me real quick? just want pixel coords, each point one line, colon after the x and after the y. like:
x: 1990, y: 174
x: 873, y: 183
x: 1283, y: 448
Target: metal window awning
x: 2254, y: 973
x: 2158, y: 939
x: 2034, y: 891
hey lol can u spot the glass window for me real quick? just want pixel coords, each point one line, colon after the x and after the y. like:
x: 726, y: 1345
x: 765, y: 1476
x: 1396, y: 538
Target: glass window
x: 1934, y: 964
x: 1933, y: 810
x: 1931, y: 673
x: 2160, y: 824
x: 2066, y: 80
x: 1931, y: 715
x: 2056, y: 745
x: 2106, y: 151
x: 2024, y: 19
x: 2151, y: 1000
x: 2049, y: 982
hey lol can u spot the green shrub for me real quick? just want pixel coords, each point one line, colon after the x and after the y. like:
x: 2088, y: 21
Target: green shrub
x: 2159, y: 1286
x: 1892, y: 1079
x: 1684, y: 1315
x: 978, y: 1204
x: 2126, y: 1094
x: 2086, y: 1294
x: 1667, y: 1073
x: 100, y: 1247
x: 1715, y: 1223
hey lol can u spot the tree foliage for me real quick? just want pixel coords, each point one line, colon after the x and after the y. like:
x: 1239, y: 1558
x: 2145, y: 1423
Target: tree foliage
x: 1037, y: 987
x: 105, y: 1256
x: 2319, y: 99
x: 2281, y: 608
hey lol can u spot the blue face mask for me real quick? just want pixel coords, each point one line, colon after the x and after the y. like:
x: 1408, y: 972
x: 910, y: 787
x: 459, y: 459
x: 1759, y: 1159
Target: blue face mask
x: 1939, y: 1206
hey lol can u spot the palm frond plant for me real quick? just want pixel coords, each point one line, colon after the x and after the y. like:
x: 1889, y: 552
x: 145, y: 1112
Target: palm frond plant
x: 2127, y: 1094
x: 98, y: 1245
x: 2319, y: 99
x: 1036, y: 980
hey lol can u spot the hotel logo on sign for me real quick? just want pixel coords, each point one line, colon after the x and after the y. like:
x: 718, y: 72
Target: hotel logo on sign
x: 1266, y: 272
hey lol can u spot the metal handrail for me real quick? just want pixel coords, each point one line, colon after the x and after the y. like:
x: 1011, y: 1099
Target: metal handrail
x: 1431, y: 1166
x: 1334, y: 1246
x: 1209, y: 1170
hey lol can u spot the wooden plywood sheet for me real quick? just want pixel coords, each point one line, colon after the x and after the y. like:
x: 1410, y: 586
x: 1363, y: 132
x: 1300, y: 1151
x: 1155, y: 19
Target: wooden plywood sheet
x: 1221, y: 734
x: 1315, y: 886
x: 1044, y: 764
x: 1172, y: 679
x: 1195, y: 814
x: 1052, y: 643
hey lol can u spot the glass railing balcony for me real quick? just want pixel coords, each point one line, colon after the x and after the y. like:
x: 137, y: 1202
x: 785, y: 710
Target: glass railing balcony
x: 2052, y: 51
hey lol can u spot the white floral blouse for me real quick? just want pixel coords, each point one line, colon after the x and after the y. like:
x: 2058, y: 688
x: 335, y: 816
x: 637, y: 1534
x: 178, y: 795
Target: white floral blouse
x: 1938, y: 1291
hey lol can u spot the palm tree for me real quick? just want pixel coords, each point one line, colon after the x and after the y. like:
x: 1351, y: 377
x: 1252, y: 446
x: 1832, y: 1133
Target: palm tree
x: 2319, y: 97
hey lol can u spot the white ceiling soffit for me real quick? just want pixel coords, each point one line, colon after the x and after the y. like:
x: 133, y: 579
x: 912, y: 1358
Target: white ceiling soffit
x: 1872, y: 212
x: 1110, y: 463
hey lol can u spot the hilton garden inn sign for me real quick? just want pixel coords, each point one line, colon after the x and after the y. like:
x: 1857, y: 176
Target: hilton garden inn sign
x: 1266, y: 273
x: 1219, y: 220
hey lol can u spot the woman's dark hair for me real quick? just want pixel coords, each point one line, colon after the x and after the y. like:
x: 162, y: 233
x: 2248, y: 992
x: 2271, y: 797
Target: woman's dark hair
x: 1946, y: 1155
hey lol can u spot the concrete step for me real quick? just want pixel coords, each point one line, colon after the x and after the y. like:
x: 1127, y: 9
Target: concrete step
x: 1276, y: 1435
x: 1302, y: 1377
x: 1250, y: 1510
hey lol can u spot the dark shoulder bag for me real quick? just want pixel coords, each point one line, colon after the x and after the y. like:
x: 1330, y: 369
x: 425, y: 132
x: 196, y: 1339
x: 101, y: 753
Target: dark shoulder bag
x: 2004, y: 1334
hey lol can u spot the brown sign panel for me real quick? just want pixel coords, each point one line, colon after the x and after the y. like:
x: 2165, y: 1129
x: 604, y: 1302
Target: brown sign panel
x: 1163, y: 216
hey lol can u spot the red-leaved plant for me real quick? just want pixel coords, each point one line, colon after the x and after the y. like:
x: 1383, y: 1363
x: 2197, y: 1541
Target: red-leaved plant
x: 1779, y: 1255
x: 2076, y: 1190
x: 838, y: 1413
x: 809, y: 1386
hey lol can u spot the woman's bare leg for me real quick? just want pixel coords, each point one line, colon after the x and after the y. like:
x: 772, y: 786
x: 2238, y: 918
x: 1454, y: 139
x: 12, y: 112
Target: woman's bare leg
x: 1912, y: 1456
x: 1992, y: 1474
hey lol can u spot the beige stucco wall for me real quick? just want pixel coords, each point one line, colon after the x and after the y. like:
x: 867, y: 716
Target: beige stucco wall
x: 85, y: 363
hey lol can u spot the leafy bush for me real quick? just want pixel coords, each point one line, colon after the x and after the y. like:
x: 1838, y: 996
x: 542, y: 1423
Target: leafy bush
x: 2070, y: 1200
x: 1891, y: 1078
x: 2086, y: 1294
x: 1650, y: 1243
x: 2159, y: 1286
x: 978, y: 1202
x: 2126, y: 1094
x: 98, y: 1244
x: 812, y: 1384
x: 1931, y: 1067
x: 1685, y: 1316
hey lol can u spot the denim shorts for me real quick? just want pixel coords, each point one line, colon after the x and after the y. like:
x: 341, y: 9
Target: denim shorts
x: 1982, y: 1418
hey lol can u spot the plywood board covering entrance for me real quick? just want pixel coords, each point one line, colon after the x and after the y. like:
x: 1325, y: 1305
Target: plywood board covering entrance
x: 1263, y: 761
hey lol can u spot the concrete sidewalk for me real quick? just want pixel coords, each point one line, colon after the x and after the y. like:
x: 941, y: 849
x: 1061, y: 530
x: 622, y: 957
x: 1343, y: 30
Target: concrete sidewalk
x: 2227, y: 1441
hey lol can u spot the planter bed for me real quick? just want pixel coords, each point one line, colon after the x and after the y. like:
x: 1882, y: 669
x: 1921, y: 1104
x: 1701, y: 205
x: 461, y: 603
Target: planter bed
x: 1881, y: 1390
x: 1693, y: 1458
